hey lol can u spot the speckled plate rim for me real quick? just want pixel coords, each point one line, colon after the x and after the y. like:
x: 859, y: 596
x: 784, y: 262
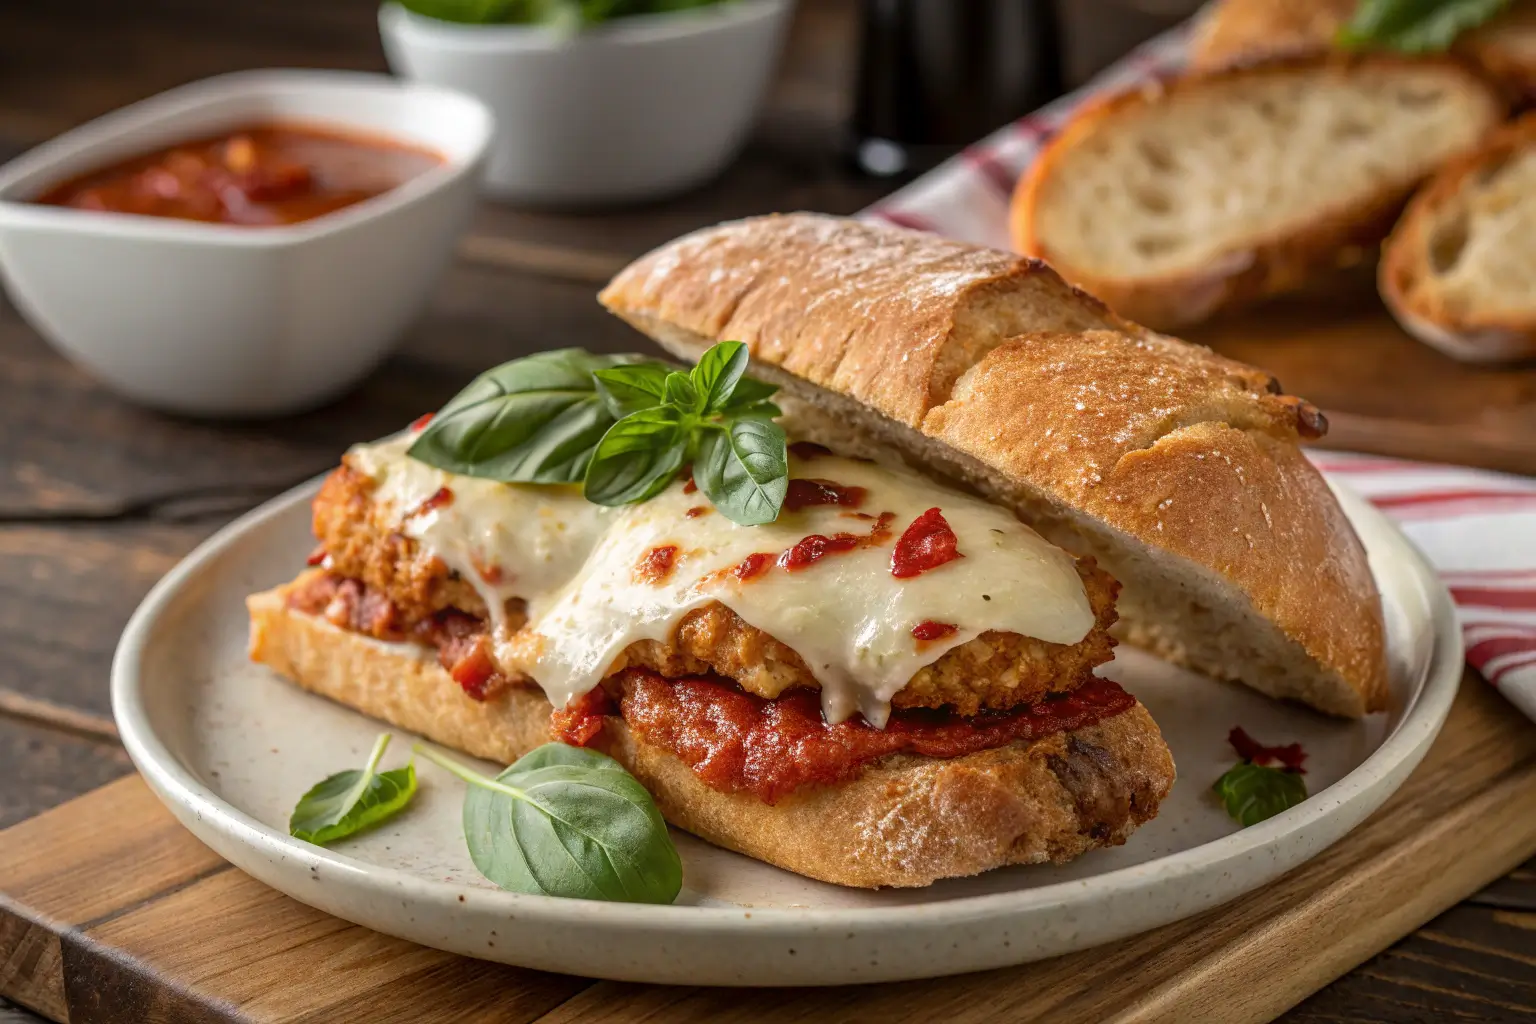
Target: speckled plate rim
x: 1144, y: 896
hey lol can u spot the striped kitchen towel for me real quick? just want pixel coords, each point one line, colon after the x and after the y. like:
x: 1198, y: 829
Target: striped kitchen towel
x: 1477, y: 528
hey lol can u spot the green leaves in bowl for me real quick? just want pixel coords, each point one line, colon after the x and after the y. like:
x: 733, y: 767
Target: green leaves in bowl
x: 567, y: 821
x: 350, y: 801
x: 1414, y: 26
x: 622, y: 427
x: 558, y: 13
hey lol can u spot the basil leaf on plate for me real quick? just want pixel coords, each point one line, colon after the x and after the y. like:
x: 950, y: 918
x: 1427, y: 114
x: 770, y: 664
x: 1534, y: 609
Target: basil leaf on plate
x: 637, y: 457
x: 350, y: 801
x: 1414, y: 26
x: 630, y: 388
x: 1253, y: 792
x: 744, y: 470
x: 566, y: 821
x: 681, y: 395
x: 533, y: 420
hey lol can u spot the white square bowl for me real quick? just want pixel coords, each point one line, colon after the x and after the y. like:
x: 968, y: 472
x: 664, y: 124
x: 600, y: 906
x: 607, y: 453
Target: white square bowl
x: 226, y: 320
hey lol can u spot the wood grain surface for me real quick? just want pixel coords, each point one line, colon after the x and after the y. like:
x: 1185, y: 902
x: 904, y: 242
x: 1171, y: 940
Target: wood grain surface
x: 98, y: 498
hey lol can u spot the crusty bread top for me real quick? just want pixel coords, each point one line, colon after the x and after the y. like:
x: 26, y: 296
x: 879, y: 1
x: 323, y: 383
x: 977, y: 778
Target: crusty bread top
x: 1198, y: 176
x: 1176, y: 467
x: 1241, y: 31
x: 1464, y: 255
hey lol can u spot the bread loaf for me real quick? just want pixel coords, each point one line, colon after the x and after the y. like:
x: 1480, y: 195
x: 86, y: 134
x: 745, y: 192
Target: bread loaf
x: 1177, y: 469
x: 1178, y: 200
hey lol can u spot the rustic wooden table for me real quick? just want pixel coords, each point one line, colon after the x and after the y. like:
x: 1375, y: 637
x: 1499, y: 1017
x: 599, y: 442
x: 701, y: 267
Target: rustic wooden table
x: 98, y: 499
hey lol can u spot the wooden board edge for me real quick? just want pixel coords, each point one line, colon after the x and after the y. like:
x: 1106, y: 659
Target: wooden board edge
x: 31, y: 962
x: 1354, y: 918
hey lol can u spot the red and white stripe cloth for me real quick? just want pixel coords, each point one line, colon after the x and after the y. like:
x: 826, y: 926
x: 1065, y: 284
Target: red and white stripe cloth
x: 1477, y: 528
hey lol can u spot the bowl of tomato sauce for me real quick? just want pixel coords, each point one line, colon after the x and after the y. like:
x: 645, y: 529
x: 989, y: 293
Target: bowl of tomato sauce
x: 247, y: 245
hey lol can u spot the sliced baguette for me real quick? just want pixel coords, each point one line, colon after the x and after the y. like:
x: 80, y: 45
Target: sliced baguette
x: 1242, y: 31
x: 1181, y: 199
x: 1459, y: 271
x: 1179, y: 470
x: 906, y: 821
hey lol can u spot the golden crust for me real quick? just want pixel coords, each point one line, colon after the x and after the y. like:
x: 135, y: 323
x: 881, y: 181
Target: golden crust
x: 1085, y: 431
x: 1300, y: 257
x: 1243, y: 31
x: 906, y: 821
x: 1407, y: 283
x: 996, y: 670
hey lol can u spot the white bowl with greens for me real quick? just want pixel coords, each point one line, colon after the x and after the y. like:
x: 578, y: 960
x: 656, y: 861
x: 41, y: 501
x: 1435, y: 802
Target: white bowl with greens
x: 597, y: 101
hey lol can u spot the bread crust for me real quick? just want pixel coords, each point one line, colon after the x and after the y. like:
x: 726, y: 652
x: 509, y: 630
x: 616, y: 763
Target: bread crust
x: 1282, y: 262
x: 1106, y: 438
x: 1242, y: 31
x: 905, y: 821
x: 1405, y: 277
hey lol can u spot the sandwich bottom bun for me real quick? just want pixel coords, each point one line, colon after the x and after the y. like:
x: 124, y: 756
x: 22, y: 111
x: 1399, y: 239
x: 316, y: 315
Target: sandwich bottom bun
x: 905, y: 821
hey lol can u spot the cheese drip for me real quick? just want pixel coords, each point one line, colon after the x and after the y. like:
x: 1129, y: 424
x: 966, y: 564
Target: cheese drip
x: 578, y: 567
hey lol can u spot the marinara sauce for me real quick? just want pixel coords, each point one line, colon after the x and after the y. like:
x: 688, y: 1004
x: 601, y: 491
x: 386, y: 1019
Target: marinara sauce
x: 261, y: 175
x: 737, y: 742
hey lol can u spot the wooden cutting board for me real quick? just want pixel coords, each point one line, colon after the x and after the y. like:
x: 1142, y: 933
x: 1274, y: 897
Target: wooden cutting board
x: 111, y: 913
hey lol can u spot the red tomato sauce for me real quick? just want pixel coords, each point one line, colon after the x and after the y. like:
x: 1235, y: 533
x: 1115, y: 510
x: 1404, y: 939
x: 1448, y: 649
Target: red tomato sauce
x: 462, y: 644
x: 1291, y: 756
x: 927, y: 631
x: 656, y: 565
x: 805, y: 493
x: 736, y: 742
x: 927, y: 544
x: 259, y: 176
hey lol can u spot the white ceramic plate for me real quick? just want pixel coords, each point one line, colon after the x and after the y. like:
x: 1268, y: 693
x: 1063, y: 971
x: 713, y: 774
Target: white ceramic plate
x: 230, y: 747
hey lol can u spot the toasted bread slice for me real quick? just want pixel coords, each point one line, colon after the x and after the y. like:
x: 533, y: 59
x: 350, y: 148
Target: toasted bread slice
x: 1176, y: 469
x: 1177, y: 200
x: 1459, y: 271
x: 905, y: 821
x: 1242, y: 31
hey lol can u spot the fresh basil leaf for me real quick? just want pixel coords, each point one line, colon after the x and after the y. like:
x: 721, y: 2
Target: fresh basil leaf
x: 681, y: 394
x: 533, y: 420
x: 756, y: 411
x: 470, y: 12
x: 749, y: 391
x: 637, y: 457
x: 350, y: 801
x: 744, y: 470
x: 718, y: 372
x: 1254, y: 792
x: 627, y: 389
x: 565, y: 821
x: 1414, y: 26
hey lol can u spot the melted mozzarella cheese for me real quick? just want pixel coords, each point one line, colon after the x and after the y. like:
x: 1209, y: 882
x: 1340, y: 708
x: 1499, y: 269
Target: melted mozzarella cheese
x: 847, y: 617
x: 507, y: 540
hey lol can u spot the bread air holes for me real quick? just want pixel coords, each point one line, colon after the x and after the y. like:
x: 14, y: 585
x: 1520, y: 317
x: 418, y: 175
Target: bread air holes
x: 1349, y: 129
x: 1157, y: 155
x: 1417, y: 98
x: 1153, y: 246
x: 1152, y: 200
x: 1446, y: 244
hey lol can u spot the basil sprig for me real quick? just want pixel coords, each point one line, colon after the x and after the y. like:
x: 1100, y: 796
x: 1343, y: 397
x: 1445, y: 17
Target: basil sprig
x: 534, y: 420
x: 1414, y: 26
x: 566, y: 821
x: 1253, y: 792
x: 353, y: 800
x: 622, y: 427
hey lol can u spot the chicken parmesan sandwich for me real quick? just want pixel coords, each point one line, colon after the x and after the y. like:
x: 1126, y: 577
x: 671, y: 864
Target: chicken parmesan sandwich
x: 839, y: 609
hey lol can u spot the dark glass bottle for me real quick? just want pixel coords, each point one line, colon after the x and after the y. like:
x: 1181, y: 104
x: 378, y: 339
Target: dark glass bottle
x: 935, y: 75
